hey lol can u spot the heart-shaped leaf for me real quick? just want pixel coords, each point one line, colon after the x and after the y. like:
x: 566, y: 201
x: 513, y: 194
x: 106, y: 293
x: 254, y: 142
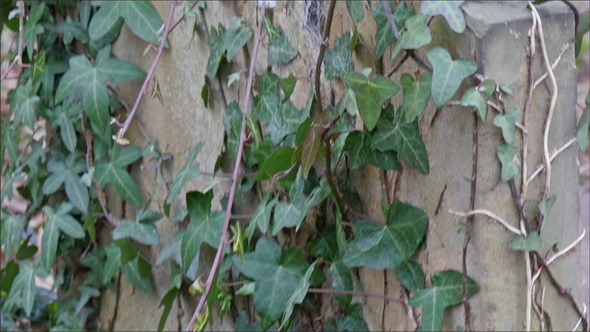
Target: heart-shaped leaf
x: 508, y: 123
x: 414, y: 36
x: 473, y: 97
x: 405, y: 139
x: 531, y: 242
x: 416, y: 96
x: 236, y: 36
x: 505, y: 154
x: 451, y: 10
x: 447, y: 74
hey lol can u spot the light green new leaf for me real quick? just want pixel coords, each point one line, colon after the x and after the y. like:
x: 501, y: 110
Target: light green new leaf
x: 531, y: 242
x: 58, y: 221
x: 445, y: 291
x: 410, y: 275
x: 451, y: 10
x: 23, y: 289
x: 348, y: 103
x: 280, y: 50
x: 584, y: 126
x: 447, y: 74
x: 204, y: 226
x: 189, y: 171
x: 508, y: 123
x: 386, y: 246
x: 370, y: 95
x: 358, y: 147
x: 68, y: 172
x: 509, y: 168
x: 414, y: 36
x: 473, y: 97
x: 384, y: 36
x: 416, y: 96
x: 217, y: 45
x: 140, y: 16
x: 546, y: 205
x: 356, y: 10
x: 338, y: 60
x: 236, y: 36
x: 405, y: 139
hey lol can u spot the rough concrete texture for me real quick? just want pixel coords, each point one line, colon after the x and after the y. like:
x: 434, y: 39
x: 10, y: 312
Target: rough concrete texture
x: 496, y: 38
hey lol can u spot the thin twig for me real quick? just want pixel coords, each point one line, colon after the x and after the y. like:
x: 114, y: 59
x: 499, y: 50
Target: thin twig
x: 529, y: 290
x: 318, y: 66
x: 553, y: 156
x: 150, y: 74
x: 555, y: 63
x: 566, y: 249
x: 489, y: 214
x: 527, y: 106
x: 236, y: 174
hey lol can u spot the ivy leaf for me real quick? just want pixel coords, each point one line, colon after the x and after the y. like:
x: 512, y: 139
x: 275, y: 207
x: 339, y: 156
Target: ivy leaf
x: 386, y: 246
x: 507, y: 122
x: 64, y: 116
x: 172, y: 249
x: 68, y: 172
x: 416, y: 96
x: 24, y: 104
x: 167, y: 301
x: 87, y: 83
x: 386, y: 160
x: 370, y: 95
x: 140, y: 16
x: 113, y: 172
x: 288, y: 86
x: 72, y: 29
x: 142, y: 229
x: 445, y: 291
x: 32, y: 28
x: 217, y: 45
x: 38, y: 66
x: 355, y: 10
x: 13, y: 226
x: 358, y: 147
x: 189, y: 171
x: 204, y: 226
x: 298, y: 294
x: 447, y: 74
x: 531, y: 242
x: 338, y: 60
x: 285, y: 122
x: 410, y: 275
x: 267, y: 103
x: 236, y: 37
x: 261, y: 217
x: 113, y: 262
x: 414, y: 36
x: 546, y: 205
x: 384, y: 36
x: 342, y: 281
x: 473, y: 97
x: 506, y: 154
x: 348, y: 103
x: 278, y: 161
x: 451, y: 10
x: 405, y: 139
x: 292, y: 214
x: 280, y: 50
x: 23, y: 289
x: 58, y: 221
x: 138, y: 272
x: 232, y: 123
x: 310, y: 149
x: 275, y: 282
x: 584, y: 126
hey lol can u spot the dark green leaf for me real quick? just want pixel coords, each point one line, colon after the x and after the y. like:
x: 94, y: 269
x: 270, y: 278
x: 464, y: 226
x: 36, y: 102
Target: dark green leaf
x: 25, y: 104
x: 172, y: 249
x: 38, y: 66
x: 445, y: 291
x: 278, y: 161
x: 473, y: 97
x: 113, y: 262
x: 189, y: 171
x: 217, y: 45
x: 22, y: 291
x: 410, y: 275
x: 532, y: 242
x: 386, y: 246
x: 288, y: 86
x: 509, y: 168
x: 261, y: 217
x: 13, y: 226
x: 447, y: 74
x: 280, y: 50
x: 65, y: 115
x: 358, y: 147
x: 285, y: 122
x: 487, y: 88
x: 134, y: 271
x: 356, y: 10
x: 32, y: 28
x: 348, y: 103
x: 342, y: 281
x: 416, y: 96
x: 236, y: 37
x: 72, y: 29
x: 338, y: 60
x: 59, y: 220
x: 141, y: 232
x: 508, y: 123
x: 370, y: 95
x: 232, y: 122
x: 405, y: 139
x: 310, y: 149
x: 386, y: 160
x: 243, y: 325
x: 167, y: 301
x: 451, y: 10
x: 298, y: 294
x: 384, y: 35
x: 414, y: 36
x: 123, y: 183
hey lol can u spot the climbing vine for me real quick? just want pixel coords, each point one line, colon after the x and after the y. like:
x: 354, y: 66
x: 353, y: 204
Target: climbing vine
x: 64, y: 146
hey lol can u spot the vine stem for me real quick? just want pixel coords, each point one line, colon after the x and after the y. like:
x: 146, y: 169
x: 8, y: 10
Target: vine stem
x: 323, y: 46
x: 235, y: 177
x: 489, y: 214
x: 150, y: 73
x: 18, y: 59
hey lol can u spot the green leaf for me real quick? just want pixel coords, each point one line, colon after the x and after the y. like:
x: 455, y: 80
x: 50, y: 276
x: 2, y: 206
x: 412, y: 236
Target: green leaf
x: 172, y: 249
x: 358, y: 147
x: 348, y: 103
x: 370, y: 95
x: 135, y: 271
x: 113, y: 262
x: 189, y: 171
x: 410, y: 275
x: 142, y: 232
x: 386, y: 160
x: 232, y: 123
x: 280, y: 50
x: 584, y: 126
x: 384, y: 36
x: 278, y: 161
x: 487, y: 88
x: 285, y: 122
x: 140, y: 16
x: 546, y: 205
x: 386, y: 246
x: 508, y: 124
x: 338, y: 60
x: 24, y: 104
x: 531, y: 242
x: 342, y: 281
x: 298, y: 294
x: 451, y: 10
x: 405, y: 139
x: 31, y: 28
x: 64, y: 119
x: 13, y: 226
x: 236, y: 37
x: 22, y: 291
x: 506, y: 154
x: 473, y: 97
x: 447, y: 74
x: 310, y: 149
x: 261, y: 217
x: 416, y: 96
x: 267, y: 103
x: 57, y: 221
x: 113, y: 173
x: 167, y: 301
x: 204, y: 226
x: 445, y: 291
x: 38, y: 66
x: 276, y: 283
x: 87, y: 83
x: 414, y: 36
x: 506, y: 89
x: 288, y: 86
x: 246, y: 289
x: 67, y: 172
x: 72, y: 29
x: 217, y: 45
x: 355, y: 10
